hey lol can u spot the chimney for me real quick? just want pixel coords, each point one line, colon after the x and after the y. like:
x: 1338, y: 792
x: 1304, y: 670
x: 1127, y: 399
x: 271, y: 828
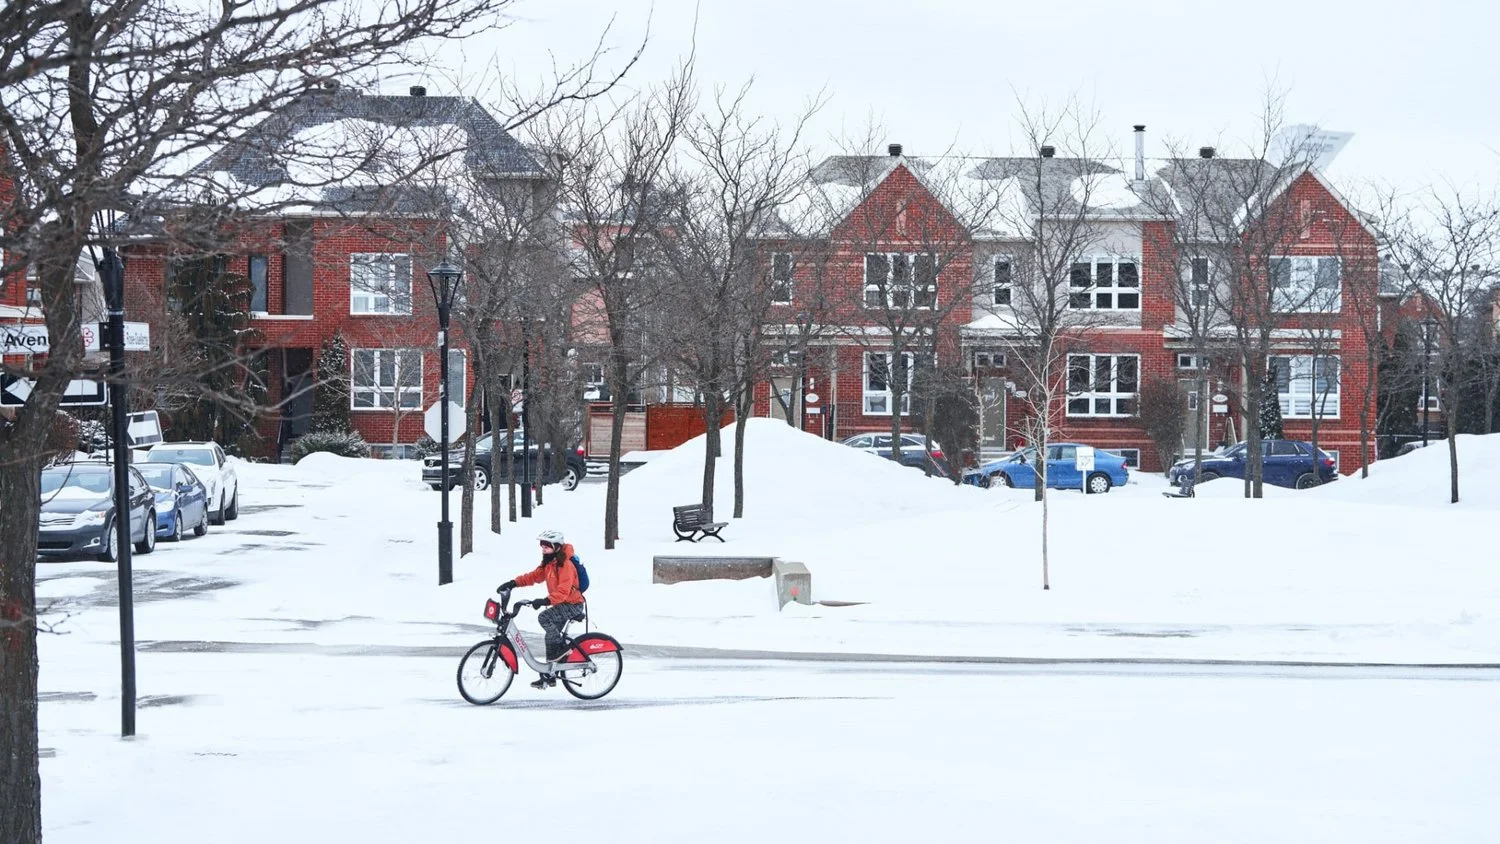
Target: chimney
x: 894, y: 150
x: 1140, y: 152
x: 1048, y: 150
x: 417, y: 91
x: 1205, y: 152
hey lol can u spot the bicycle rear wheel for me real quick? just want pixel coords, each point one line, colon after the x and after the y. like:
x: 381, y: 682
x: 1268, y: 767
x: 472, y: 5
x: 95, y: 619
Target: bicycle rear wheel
x: 483, y: 677
x: 601, y: 674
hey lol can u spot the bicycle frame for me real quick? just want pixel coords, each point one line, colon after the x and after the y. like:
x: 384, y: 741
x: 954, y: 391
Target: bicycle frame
x: 508, y: 631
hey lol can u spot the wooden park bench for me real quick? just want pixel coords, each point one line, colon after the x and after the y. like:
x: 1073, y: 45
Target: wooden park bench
x: 694, y: 521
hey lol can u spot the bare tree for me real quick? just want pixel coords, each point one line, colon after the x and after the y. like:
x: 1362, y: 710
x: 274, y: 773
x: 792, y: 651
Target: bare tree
x: 612, y: 168
x: 1446, y: 249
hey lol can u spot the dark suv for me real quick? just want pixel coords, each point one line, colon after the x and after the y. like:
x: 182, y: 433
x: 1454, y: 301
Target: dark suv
x: 1288, y: 463
x: 567, y: 469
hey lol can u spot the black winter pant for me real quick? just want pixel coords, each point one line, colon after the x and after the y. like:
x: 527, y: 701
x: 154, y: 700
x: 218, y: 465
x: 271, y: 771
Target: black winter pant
x: 553, y: 619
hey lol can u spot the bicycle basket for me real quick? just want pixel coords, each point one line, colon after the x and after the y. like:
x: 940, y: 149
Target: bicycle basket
x: 492, y: 609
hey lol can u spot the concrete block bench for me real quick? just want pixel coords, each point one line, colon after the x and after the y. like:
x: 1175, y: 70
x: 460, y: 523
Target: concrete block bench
x: 793, y: 580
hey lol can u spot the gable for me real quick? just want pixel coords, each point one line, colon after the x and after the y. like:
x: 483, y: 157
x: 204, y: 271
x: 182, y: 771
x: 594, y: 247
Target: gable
x: 899, y: 211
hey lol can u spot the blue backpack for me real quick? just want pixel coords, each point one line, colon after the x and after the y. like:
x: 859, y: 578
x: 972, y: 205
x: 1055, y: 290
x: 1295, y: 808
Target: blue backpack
x: 583, y: 574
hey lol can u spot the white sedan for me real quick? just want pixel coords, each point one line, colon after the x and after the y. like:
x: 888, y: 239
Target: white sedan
x: 213, y: 468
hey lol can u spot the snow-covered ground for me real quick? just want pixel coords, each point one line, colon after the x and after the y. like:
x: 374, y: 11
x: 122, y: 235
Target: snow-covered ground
x: 296, y: 665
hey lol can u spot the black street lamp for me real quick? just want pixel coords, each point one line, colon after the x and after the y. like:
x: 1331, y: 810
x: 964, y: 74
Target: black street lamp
x: 112, y: 278
x: 525, y: 417
x: 804, y: 329
x: 1428, y: 327
x: 444, y: 280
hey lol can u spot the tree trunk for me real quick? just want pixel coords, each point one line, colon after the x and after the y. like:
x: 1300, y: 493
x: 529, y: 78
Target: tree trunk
x: 499, y: 402
x: 466, y: 505
x: 712, y: 415
x: 620, y: 372
x: 510, y: 457
x: 1450, y: 414
x: 741, y: 416
x: 20, y: 774
x: 543, y: 468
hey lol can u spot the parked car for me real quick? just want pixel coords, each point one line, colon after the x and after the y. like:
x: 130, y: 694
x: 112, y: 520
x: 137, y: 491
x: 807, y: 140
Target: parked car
x: 78, y: 511
x: 1288, y: 463
x: 1408, y: 448
x: 181, y: 499
x: 568, y: 469
x: 912, y: 447
x: 1019, y: 470
x: 212, y: 468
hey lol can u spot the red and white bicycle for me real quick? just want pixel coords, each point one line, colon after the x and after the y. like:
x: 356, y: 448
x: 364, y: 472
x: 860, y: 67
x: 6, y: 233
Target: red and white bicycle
x: 590, y: 667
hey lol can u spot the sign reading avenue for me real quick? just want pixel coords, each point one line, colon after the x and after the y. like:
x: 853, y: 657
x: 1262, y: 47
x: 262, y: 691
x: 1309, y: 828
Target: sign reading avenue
x: 33, y: 339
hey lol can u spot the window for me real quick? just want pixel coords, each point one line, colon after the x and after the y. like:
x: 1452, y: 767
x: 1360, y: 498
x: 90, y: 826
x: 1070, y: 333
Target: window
x: 458, y: 365
x: 1110, y: 284
x: 1305, y: 284
x: 1431, y: 396
x: 1198, y: 283
x: 786, y: 358
x: 379, y: 283
x: 1132, y: 456
x: 1001, y: 289
x: 1103, y: 385
x: 386, y: 378
x: 1332, y: 454
x: 1186, y: 360
x: 259, y: 266
x: 900, y: 280
x: 988, y: 359
x: 877, y: 392
x: 781, y: 277
x: 1304, y: 382
x: 593, y: 382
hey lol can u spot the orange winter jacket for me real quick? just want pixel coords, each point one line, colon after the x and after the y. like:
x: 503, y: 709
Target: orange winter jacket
x: 562, y: 579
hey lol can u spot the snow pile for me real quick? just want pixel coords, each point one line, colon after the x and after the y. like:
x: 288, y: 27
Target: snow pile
x: 1421, y: 478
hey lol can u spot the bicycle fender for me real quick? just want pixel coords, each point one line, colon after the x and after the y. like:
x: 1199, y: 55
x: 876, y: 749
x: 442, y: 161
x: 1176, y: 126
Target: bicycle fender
x: 592, y: 643
x: 508, y: 654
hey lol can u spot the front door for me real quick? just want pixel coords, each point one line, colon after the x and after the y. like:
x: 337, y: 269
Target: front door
x: 992, y: 413
x: 784, y: 399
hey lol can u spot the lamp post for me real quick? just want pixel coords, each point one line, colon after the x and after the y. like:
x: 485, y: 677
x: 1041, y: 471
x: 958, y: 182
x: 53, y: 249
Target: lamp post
x: 1427, y: 328
x: 804, y: 328
x: 444, y: 280
x: 112, y: 278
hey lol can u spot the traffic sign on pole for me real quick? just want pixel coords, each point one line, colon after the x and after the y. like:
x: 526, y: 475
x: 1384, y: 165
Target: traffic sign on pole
x: 143, y: 428
x: 14, y: 391
x: 432, y: 420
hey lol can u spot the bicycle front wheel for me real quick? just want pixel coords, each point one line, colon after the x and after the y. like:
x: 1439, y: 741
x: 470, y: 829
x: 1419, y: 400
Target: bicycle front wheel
x: 483, y: 677
x: 598, y: 679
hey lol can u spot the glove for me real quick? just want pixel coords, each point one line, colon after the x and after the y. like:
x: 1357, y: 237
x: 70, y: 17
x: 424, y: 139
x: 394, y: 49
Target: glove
x: 541, y: 602
x: 507, y: 586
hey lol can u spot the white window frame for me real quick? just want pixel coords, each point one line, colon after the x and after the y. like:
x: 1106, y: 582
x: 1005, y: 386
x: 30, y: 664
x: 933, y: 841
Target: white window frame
x: 871, y: 398
x: 895, y: 290
x: 1089, y: 298
x: 1334, y: 453
x: 593, y: 386
x: 1120, y: 403
x: 1130, y: 462
x: 1300, y: 294
x: 1430, y: 397
x: 1190, y: 361
x: 384, y: 396
x: 999, y: 290
x: 782, y: 282
x: 380, y: 297
x: 986, y: 359
x: 786, y: 358
x: 1302, y: 389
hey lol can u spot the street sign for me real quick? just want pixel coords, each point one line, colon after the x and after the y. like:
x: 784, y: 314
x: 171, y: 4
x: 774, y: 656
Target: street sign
x: 137, y: 335
x: 1083, y: 461
x: 34, y: 340
x: 144, y: 428
x: 432, y: 421
x: 23, y: 339
x: 517, y: 400
x: 14, y: 392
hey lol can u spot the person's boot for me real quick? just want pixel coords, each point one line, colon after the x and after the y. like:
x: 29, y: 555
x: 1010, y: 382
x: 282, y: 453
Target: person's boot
x: 544, y: 681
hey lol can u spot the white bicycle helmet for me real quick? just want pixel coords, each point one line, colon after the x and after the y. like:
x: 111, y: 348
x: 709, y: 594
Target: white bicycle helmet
x: 553, y: 537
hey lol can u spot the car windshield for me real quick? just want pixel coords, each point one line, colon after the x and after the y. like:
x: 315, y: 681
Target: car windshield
x: 158, y: 475
x: 195, y: 456
x: 76, y: 480
x: 1235, y: 451
x: 1024, y: 456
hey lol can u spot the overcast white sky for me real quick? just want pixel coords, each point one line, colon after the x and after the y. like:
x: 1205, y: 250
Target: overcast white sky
x: 1415, y: 82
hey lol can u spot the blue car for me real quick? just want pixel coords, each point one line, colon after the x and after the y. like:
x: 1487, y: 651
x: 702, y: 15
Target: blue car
x: 181, y: 499
x: 1019, y: 470
x: 1288, y: 463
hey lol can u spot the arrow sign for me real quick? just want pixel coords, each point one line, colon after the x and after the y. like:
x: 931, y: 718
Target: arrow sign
x: 14, y: 392
x: 144, y: 429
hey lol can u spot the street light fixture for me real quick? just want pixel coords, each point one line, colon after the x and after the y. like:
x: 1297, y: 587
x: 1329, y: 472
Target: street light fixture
x: 804, y: 329
x: 112, y: 279
x: 444, y: 279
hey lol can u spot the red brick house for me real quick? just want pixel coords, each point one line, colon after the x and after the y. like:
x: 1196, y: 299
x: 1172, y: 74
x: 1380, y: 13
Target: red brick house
x: 1125, y: 278
x: 347, y: 257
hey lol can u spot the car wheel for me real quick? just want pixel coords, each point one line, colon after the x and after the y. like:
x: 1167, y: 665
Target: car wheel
x: 111, y: 551
x: 1210, y: 476
x: 1098, y: 484
x: 985, y: 481
x: 202, y: 527
x: 1307, y: 480
x: 148, y: 540
x: 481, y: 479
x: 234, y: 507
x: 1006, y: 479
x: 218, y: 515
x: 569, y: 479
x: 176, y: 527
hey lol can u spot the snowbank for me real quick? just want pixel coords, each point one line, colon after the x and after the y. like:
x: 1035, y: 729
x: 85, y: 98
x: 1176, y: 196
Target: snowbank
x: 1422, y: 477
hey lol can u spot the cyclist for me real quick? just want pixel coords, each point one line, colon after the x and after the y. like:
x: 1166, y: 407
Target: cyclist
x: 566, y: 601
